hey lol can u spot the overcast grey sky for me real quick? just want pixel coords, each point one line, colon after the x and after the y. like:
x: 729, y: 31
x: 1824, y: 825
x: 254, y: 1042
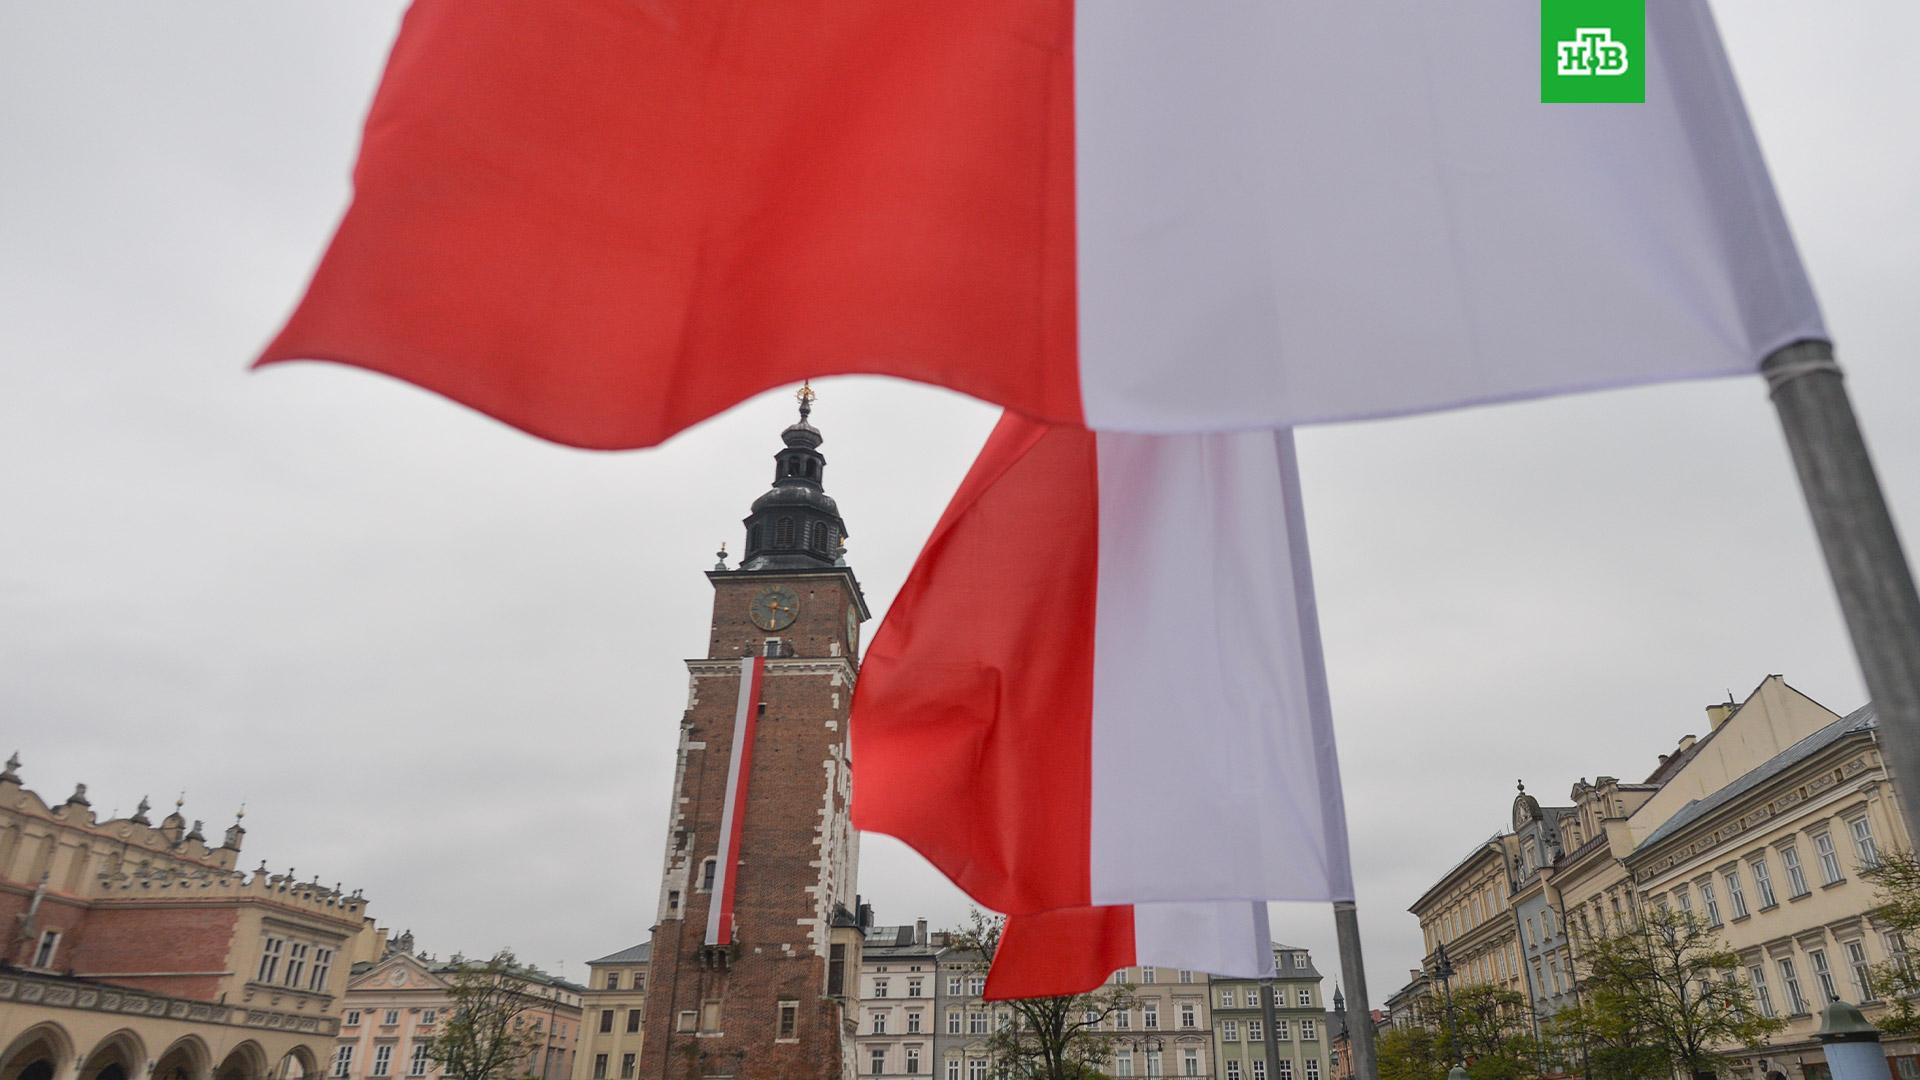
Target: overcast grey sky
x: 441, y: 661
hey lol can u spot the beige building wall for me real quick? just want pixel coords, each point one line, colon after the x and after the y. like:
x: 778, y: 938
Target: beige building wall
x: 395, y: 1007
x: 1469, y: 911
x: 612, y: 1009
x: 1775, y: 859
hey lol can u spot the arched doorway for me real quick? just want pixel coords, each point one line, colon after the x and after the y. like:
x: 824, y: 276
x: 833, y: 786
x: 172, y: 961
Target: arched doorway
x: 186, y: 1059
x: 244, y: 1062
x: 119, y: 1056
x: 299, y: 1063
x: 39, y: 1053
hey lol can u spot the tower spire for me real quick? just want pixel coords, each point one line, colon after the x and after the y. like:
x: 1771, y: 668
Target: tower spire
x: 796, y: 525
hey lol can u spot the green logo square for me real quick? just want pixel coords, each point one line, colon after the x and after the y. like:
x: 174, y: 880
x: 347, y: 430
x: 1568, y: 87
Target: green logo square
x: 1593, y: 50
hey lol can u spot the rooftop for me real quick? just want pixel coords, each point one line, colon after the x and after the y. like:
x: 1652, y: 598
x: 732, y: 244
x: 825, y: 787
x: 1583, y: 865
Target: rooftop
x: 632, y: 954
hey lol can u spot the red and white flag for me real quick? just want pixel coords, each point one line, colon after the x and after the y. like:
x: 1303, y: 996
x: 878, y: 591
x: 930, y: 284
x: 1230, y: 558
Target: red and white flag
x: 1074, y: 950
x: 733, y: 812
x: 605, y: 220
x: 1102, y: 682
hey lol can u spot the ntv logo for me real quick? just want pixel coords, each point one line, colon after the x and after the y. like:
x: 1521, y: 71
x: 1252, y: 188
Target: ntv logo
x: 1592, y: 52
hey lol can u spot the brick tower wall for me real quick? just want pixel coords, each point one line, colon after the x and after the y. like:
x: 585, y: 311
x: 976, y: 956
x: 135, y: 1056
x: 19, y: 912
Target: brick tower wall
x: 797, y: 858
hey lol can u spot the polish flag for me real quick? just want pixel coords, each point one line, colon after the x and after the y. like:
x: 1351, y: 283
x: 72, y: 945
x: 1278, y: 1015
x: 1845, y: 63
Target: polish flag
x: 605, y: 220
x: 1102, y: 681
x: 1075, y: 950
x: 733, y: 812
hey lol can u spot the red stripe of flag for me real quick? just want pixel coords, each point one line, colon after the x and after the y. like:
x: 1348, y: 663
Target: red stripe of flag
x: 722, y: 933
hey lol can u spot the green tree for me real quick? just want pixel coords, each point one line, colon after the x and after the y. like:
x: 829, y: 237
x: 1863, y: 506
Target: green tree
x: 487, y: 1034
x: 1666, y: 983
x: 1896, y: 880
x: 1486, y: 1028
x: 1050, y: 1038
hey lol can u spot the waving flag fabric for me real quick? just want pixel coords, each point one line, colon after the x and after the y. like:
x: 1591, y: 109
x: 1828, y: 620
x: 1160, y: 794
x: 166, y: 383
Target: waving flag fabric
x: 1102, y: 682
x: 1074, y: 950
x: 604, y: 220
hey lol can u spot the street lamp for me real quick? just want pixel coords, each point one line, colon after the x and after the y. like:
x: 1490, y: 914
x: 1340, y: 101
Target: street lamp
x: 1443, y: 970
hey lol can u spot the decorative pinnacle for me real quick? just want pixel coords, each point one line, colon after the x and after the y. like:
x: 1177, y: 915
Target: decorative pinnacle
x: 805, y: 396
x: 12, y: 770
x: 721, y: 555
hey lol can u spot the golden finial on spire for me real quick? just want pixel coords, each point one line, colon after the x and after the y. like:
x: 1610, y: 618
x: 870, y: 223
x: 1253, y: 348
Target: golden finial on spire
x: 805, y: 396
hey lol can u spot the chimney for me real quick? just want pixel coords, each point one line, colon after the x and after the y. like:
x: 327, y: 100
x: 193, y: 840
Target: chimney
x: 1717, y: 714
x: 1686, y: 743
x: 919, y: 931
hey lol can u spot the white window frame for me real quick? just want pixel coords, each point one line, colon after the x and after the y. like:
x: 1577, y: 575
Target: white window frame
x: 419, y: 1062
x: 382, y: 1060
x: 342, y: 1059
x: 1796, y: 876
x: 1736, y: 895
x: 1863, y: 842
x: 269, y: 959
x: 1762, y: 995
x: 1829, y: 858
x: 1763, y: 881
x: 49, y: 947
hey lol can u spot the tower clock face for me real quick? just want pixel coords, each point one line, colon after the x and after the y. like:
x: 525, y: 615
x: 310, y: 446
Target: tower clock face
x: 775, y: 608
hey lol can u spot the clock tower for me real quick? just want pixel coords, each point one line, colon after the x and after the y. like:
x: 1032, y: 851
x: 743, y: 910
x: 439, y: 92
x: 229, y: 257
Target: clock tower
x: 757, y: 935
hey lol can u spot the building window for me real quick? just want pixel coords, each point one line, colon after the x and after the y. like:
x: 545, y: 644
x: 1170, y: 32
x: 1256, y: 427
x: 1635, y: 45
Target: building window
x: 1123, y: 1063
x: 879, y: 1023
x: 383, y: 1060
x: 1300, y: 960
x: 342, y: 1059
x: 913, y: 1060
x: 976, y: 985
x: 613, y: 980
x: 1226, y: 999
x: 710, y: 1016
x: 1146, y: 976
x: 878, y: 1060
x: 977, y: 1069
x: 390, y: 1018
x: 1313, y: 1069
x: 1309, y: 1030
x: 633, y: 1021
x: 1683, y: 899
x: 1829, y: 862
x: 1123, y: 1020
x: 836, y: 970
x: 49, y: 943
x: 977, y: 1023
x: 1862, y: 971
x: 428, y: 1016
x: 673, y: 901
x: 1735, y: 895
x: 418, y: 1065
x: 1305, y: 997
x: 707, y: 865
x: 599, y: 1067
x: 296, y: 963
x: 1709, y: 901
x: 1259, y: 1068
x: 913, y: 1022
x: 626, y: 1066
x: 953, y: 1068
x: 1796, y: 879
x: 269, y: 960
x: 1189, y: 1062
x: 639, y: 981
x: 879, y: 988
x: 1863, y: 844
x: 1150, y: 1015
x: 1153, y: 1063
x: 352, y: 1018
x: 913, y: 987
x: 1229, y: 1031
x: 1790, y: 979
x: 1823, y: 973
x: 606, y: 1021
x: 1186, y: 976
x: 1187, y: 1015
x: 1763, y: 881
x: 953, y: 1021
x: 783, y: 532
x: 1762, y: 997
x: 1256, y: 1032
x: 1286, y: 1070
x: 953, y: 986
x: 1233, y: 1070
x: 322, y: 967
x: 684, y: 1021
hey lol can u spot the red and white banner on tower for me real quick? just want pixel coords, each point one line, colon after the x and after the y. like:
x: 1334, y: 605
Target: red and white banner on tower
x: 733, y: 814
x: 1102, y: 682
x: 603, y: 221
x: 1074, y: 950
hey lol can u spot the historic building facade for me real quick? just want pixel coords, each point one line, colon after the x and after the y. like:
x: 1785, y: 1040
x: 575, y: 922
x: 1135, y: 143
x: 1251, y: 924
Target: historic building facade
x: 1468, y: 915
x: 898, y: 1015
x: 1301, y: 1032
x: 613, y: 1008
x: 397, y: 1004
x: 137, y: 950
x: 749, y: 951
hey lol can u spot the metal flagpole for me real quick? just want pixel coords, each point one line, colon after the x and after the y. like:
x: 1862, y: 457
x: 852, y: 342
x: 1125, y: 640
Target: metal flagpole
x: 1869, y: 570
x: 1346, y: 927
x: 1272, y: 1037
